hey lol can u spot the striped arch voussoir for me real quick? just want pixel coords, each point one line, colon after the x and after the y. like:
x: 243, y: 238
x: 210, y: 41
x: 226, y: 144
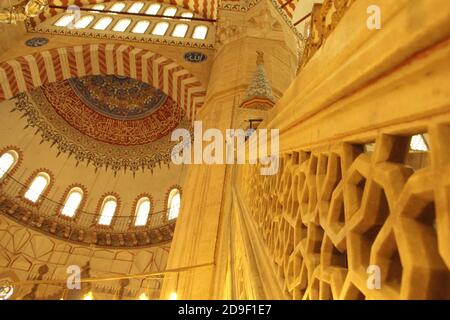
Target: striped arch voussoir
x: 28, y: 72
x: 289, y: 8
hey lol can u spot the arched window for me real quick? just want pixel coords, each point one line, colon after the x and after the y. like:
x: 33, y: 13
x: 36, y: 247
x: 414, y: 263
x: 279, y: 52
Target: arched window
x: 65, y: 20
x: 117, y: 7
x: 99, y: 7
x: 136, y: 7
x: 141, y: 26
x: 180, y: 30
x: 37, y: 187
x: 170, y: 12
x: 103, y: 23
x: 122, y: 25
x: 7, y: 161
x: 153, y: 9
x: 200, y: 32
x: 160, y: 29
x: 173, y: 204
x: 108, y: 210
x: 142, y: 211
x: 73, y: 202
x: 187, y: 15
x: 83, y: 22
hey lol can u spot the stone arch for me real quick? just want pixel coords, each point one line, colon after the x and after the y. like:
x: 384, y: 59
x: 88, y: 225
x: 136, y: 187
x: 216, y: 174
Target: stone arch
x: 33, y: 70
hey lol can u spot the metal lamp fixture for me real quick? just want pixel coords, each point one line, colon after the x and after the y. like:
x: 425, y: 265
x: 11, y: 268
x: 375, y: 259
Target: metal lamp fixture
x: 22, y: 11
x: 6, y: 290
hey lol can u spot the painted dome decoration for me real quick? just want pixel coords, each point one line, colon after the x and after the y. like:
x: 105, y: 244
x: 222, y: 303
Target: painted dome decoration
x: 118, y: 97
x: 117, y: 111
x: 109, y: 121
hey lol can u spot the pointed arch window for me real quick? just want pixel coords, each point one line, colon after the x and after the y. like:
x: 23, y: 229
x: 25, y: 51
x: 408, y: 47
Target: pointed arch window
x: 7, y: 161
x: 37, y: 187
x: 108, y: 210
x: 73, y: 202
x: 173, y: 204
x: 142, y: 211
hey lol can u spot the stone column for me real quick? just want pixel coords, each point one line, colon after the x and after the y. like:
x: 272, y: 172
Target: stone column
x: 200, y: 241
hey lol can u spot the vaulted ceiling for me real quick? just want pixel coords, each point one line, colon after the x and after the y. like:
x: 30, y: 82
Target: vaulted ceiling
x: 160, y: 85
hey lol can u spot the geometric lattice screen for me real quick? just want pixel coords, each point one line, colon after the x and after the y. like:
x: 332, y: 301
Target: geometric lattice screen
x: 333, y: 214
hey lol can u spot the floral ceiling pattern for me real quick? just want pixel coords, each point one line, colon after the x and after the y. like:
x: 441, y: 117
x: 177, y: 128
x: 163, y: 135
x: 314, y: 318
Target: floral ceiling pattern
x: 118, y: 97
x: 107, y: 121
x: 116, y: 112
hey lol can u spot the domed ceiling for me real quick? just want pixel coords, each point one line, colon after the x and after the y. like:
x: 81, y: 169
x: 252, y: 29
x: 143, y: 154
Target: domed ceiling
x: 114, y: 110
x: 118, y: 97
x: 109, y: 121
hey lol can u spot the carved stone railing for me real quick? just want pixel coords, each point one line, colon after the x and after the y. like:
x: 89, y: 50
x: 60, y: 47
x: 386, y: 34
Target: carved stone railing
x: 84, y: 227
x: 360, y: 207
x: 338, y: 210
x: 324, y: 19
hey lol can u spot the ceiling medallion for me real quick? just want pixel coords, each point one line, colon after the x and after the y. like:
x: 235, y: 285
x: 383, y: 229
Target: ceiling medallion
x: 195, y: 57
x: 36, y: 42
